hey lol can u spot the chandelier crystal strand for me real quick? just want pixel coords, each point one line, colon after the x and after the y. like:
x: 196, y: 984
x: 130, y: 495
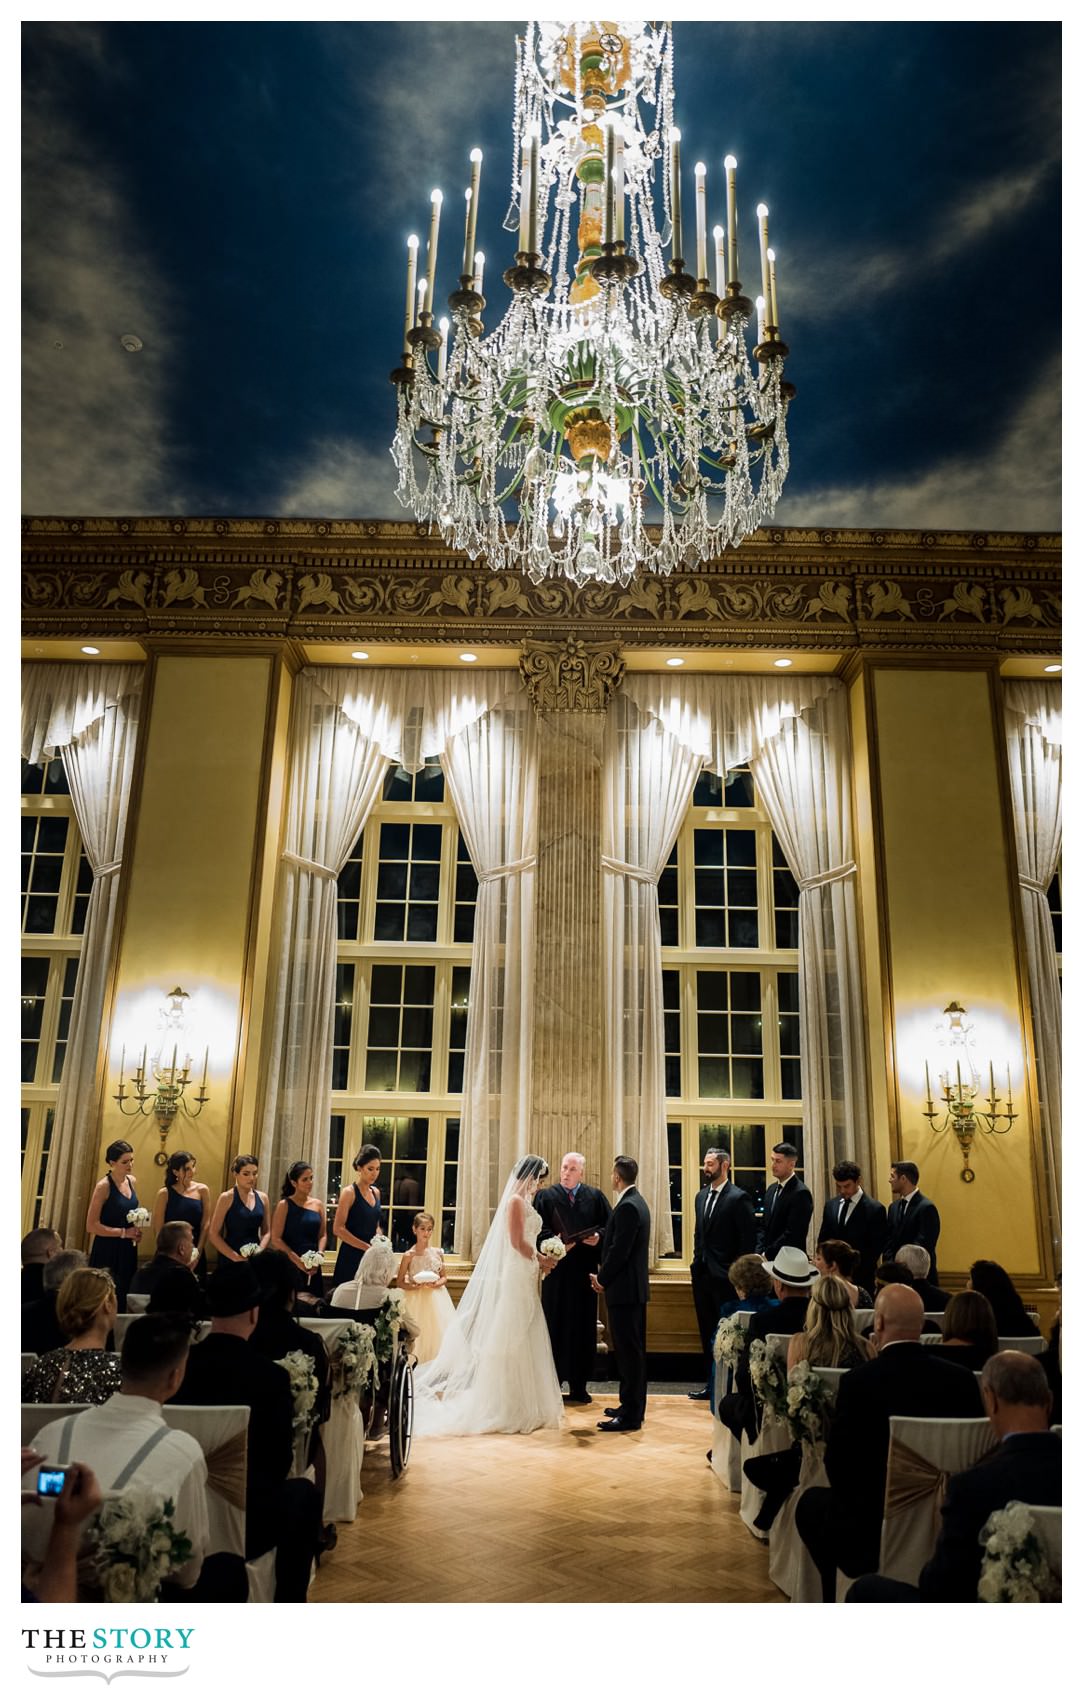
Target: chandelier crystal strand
x: 617, y: 390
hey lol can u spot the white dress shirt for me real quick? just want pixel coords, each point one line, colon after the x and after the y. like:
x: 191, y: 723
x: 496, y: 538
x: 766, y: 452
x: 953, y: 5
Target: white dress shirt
x: 105, y: 1437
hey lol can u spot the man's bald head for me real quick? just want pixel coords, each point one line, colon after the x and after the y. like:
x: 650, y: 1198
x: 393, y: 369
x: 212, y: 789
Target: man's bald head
x: 900, y: 1313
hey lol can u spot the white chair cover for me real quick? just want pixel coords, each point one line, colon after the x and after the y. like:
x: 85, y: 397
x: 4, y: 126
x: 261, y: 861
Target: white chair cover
x: 261, y: 1578
x: 138, y: 1302
x: 1047, y: 1521
x: 791, y: 1568
x: 778, y: 1345
x: 923, y: 1453
x: 37, y: 1417
x: 774, y: 1436
x: 222, y: 1432
x: 862, y: 1318
x: 725, y: 1446
x: 343, y: 1434
x: 124, y: 1320
x: 936, y: 1316
x: 1032, y: 1343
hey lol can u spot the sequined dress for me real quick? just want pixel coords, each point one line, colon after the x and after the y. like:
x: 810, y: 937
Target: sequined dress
x: 68, y: 1376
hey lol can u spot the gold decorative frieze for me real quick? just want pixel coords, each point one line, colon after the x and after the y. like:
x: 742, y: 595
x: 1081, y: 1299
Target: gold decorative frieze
x: 391, y: 582
x: 570, y: 677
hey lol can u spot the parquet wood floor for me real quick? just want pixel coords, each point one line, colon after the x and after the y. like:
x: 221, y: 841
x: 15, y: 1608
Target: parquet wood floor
x: 573, y: 1516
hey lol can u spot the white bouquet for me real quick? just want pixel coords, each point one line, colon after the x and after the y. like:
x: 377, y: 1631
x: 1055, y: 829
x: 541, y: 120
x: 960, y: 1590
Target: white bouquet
x: 354, y: 1363
x: 808, y: 1404
x: 729, y: 1342
x: 138, y: 1218
x: 1015, y: 1569
x: 768, y: 1377
x: 250, y: 1249
x: 135, y: 1546
x: 553, y: 1247
x: 312, y: 1259
x: 303, y: 1386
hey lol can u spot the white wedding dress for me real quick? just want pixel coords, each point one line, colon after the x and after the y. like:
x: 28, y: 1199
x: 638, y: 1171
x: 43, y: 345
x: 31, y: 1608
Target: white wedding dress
x: 494, y: 1372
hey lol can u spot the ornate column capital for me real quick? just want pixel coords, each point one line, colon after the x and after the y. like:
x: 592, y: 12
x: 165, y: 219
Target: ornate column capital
x: 571, y: 677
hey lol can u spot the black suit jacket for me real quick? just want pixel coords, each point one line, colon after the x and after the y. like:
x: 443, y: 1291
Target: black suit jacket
x: 41, y: 1332
x: 225, y: 1370
x: 623, y: 1268
x: 903, y: 1381
x: 919, y: 1224
x: 730, y: 1232
x: 787, y: 1212
x: 865, y: 1230
x: 1023, y: 1466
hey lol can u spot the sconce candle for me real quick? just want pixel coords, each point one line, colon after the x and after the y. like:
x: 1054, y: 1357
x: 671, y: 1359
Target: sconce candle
x: 701, y: 219
x: 618, y: 195
x: 411, y: 276
x: 675, y: 193
x: 731, y: 217
x: 472, y: 212
x: 765, y: 276
x: 434, y: 235
x: 773, y: 298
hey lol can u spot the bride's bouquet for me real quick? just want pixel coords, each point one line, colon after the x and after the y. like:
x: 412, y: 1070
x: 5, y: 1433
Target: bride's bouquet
x: 554, y: 1248
x: 138, y: 1218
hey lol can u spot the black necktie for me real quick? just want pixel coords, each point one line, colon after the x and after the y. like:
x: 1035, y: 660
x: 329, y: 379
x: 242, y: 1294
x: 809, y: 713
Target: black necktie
x: 711, y: 1196
x: 842, y: 1212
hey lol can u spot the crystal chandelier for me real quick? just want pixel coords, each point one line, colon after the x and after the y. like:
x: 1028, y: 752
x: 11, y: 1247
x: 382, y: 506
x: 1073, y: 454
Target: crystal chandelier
x: 618, y: 387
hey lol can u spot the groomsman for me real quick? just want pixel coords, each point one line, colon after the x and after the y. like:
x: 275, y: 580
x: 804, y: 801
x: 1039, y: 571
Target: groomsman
x: 912, y: 1219
x: 725, y: 1230
x: 568, y: 1299
x: 856, y: 1218
x: 787, y: 1207
x: 622, y: 1277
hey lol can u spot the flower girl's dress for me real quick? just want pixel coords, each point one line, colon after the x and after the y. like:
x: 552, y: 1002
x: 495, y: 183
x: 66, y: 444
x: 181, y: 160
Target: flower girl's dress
x: 430, y: 1307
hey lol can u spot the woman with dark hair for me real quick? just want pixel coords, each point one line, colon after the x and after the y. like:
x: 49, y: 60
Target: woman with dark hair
x: 299, y: 1227
x: 969, y: 1332
x: 838, y: 1258
x: 997, y: 1286
x: 184, y: 1199
x: 114, y: 1238
x: 357, y: 1218
x: 242, y: 1216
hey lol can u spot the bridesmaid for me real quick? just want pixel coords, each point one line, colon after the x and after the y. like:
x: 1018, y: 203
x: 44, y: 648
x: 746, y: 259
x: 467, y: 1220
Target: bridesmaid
x: 299, y: 1224
x: 241, y: 1216
x: 184, y: 1199
x: 357, y: 1219
x: 113, y: 1242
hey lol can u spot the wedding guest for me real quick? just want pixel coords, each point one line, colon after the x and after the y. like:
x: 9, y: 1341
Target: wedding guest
x: 56, y: 1580
x: 787, y: 1204
x: 829, y: 1339
x: 917, y: 1260
x: 792, y: 1277
x: 753, y: 1285
x: 114, y: 1237
x: 184, y: 1199
x: 241, y: 1216
x: 969, y: 1332
x: 225, y: 1369
x: 1025, y: 1466
x: 1008, y: 1308
x: 128, y: 1437
x: 1050, y: 1361
x: 357, y: 1216
x: 38, y: 1248
x: 82, y: 1372
x: 423, y: 1285
x: 172, y: 1259
x: 856, y: 1218
x: 838, y: 1258
x: 40, y: 1329
x: 299, y: 1226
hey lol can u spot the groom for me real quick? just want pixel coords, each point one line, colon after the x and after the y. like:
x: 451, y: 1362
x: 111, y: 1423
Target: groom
x: 622, y: 1277
x: 578, y: 1214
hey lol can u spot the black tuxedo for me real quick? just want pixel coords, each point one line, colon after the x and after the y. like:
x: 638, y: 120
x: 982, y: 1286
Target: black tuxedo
x: 723, y: 1234
x: 932, y: 1297
x: 787, y: 1212
x: 41, y: 1332
x: 865, y: 1230
x: 913, y: 1221
x: 568, y: 1299
x: 623, y: 1276
x: 226, y: 1370
x: 840, y: 1524
x: 738, y: 1409
x: 1025, y: 1467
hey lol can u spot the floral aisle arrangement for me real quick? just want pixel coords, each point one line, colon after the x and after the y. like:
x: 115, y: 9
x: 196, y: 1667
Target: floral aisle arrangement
x: 354, y: 1361
x: 304, y: 1388
x: 1014, y: 1569
x: 769, y: 1380
x: 729, y: 1342
x: 135, y: 1546
x: 391, y: 1315
x: 808, y: 1404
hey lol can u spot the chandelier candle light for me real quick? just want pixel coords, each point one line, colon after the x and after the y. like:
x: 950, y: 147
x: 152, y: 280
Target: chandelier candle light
x: 617, y: 387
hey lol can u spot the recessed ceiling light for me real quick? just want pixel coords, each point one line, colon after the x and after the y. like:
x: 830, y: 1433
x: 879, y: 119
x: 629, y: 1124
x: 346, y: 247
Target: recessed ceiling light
x: 88, y: 649
x: 131, y: 342
x: 675, y: 661
x: 360, y: 654
x: 468, y: 655
x: 782, y: 662
x: 1054, y: 667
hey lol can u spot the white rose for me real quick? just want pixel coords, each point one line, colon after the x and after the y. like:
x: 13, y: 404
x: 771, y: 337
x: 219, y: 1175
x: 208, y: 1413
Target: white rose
x: 119, y: 1584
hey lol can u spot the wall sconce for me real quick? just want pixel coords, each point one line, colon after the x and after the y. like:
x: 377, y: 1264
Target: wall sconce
x: 162, y: 1093
x: 961, y: 1094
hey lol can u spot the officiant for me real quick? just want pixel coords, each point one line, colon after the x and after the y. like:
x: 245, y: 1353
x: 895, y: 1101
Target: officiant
x: 578, y: 1214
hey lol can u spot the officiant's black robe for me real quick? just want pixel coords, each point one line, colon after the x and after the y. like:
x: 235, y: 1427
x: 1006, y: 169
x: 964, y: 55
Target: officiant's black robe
x: 568, y: 1299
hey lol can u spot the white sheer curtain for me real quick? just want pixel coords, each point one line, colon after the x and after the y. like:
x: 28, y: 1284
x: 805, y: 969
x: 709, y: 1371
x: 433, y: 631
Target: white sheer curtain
x: 648, y: 777
x: 492, y: 776
x: 795, y: 734
x: 90, y: 716
x: 347, y: 726
x: 1033, y: 716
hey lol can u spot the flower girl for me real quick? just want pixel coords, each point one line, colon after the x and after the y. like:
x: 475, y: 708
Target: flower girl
x: 423, y: 1284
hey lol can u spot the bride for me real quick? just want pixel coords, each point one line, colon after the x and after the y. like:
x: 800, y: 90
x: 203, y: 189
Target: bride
x: 494, y: 1372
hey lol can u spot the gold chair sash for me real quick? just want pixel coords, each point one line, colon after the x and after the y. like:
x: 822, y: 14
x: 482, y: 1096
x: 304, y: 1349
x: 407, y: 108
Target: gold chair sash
x: 226, y: 1469
x: 911, y: 1478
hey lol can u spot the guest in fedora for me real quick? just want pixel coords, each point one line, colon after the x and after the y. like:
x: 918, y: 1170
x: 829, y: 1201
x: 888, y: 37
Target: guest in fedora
x: 792, y: 1276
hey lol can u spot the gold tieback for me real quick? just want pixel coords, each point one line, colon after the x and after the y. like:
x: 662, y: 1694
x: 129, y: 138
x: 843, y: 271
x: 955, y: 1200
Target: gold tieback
x: 911, y: 1478
x: 227, y: 1469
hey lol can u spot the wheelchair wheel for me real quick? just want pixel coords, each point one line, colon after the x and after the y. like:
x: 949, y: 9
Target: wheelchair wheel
x: 400, y: 1414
